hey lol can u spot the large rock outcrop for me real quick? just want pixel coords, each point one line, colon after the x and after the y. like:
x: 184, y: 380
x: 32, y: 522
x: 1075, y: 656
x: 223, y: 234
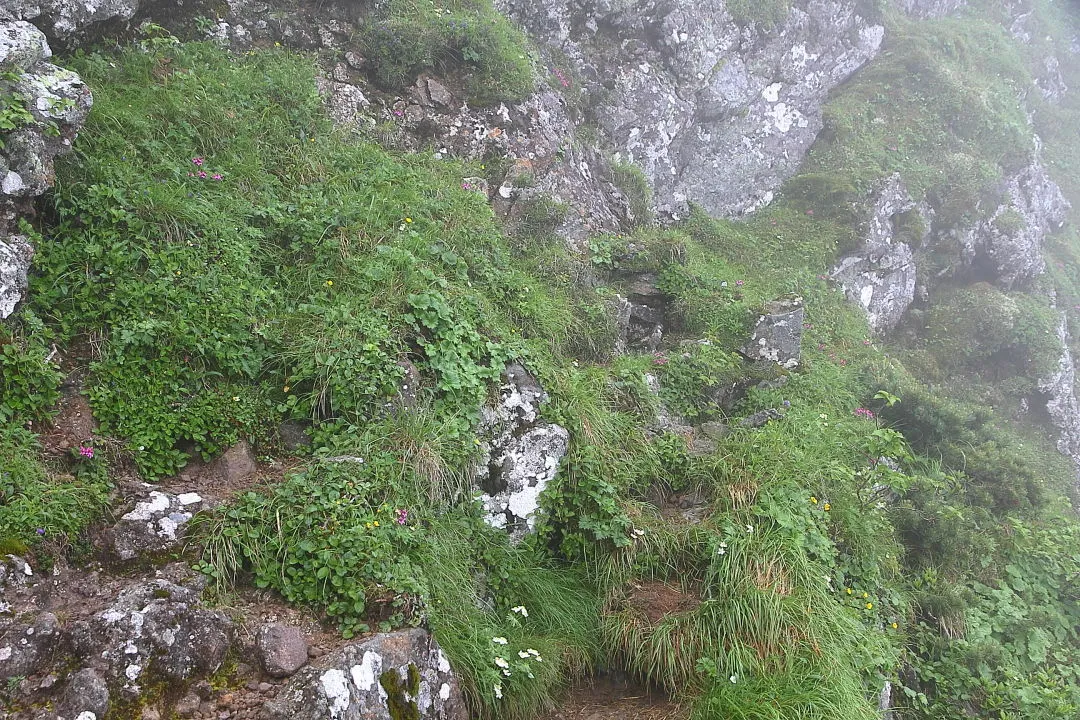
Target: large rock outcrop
x: 49, y: 105
x: 386, y: 677
x: 1009, y: 241
x: 520, y: 453
x: 67, y: 19
x: 715, y: 109
x: 880, y: 276
x: 1061, y: 401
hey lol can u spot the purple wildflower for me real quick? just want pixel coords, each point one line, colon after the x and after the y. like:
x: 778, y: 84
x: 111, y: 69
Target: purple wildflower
x: 86, y: 452
x: 197, y: 161
x: 402, y: 516
x: 217, y: 176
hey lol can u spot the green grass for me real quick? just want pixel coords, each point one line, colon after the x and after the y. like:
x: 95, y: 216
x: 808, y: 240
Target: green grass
x: 294, y: 286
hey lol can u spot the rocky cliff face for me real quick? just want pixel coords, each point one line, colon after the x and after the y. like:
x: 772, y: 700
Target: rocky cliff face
x: 881, y: 276
x: 67, y: 20
x: 716, y: 110
x: 46, y: 105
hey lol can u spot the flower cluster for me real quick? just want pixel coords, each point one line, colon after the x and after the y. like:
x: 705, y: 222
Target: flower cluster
x: 402, y: 516
x: 863, y: 413
x: 86, y: 452
x: 563, y: 80
x: 202, y: 174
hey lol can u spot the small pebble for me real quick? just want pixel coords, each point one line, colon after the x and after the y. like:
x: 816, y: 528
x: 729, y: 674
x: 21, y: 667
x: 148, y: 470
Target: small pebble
x: 265, y: 686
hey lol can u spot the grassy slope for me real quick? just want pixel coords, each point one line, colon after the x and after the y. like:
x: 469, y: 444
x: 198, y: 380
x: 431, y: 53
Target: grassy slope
x: 291, y: 287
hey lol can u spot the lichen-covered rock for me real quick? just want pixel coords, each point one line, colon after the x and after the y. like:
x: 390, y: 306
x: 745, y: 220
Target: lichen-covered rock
x: 712, y: 111
x: 282, y: 649
x: 26, y: 647
x: 53, y: 105
x: 64, y: 19
x: 15, y: 256
x: 1061, y: 402
x: 86, y: 692
x: 156, y: 626
x: 387, y: 677
x: 777, y: 336
x: 520, y: 453
x: 155, y: 524
x: 1050, y: 81
x: 1010, y: 239
x: 880, y: 276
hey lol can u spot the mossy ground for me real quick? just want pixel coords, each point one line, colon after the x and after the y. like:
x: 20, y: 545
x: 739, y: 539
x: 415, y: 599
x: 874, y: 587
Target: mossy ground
x: 239, y: 262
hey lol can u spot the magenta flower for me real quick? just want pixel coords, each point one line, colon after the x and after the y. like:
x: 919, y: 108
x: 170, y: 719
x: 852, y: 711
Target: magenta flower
x: 863, y: 413
x: 202, y: 174
x: 198, y: 161
x: 402, y: 516
x: 217, y: 176
x: 739, y: 282
x: 86, y: 452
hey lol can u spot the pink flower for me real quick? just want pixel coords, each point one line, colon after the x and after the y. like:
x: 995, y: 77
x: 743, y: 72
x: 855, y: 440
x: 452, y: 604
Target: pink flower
x: 217, y: 176
x: 809, y: 212
x: 86, y: 452
x: 402, y: 516
x: 863, y: 413
x: 739, y: 282
x: 198, y: 161
x: 202, y: 174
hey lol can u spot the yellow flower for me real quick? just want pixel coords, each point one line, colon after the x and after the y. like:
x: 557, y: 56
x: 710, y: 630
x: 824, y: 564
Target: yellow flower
x: 285, y: 389
x: 329, y: 283
x: 813, y: 500
x: 894, y: 626
x: 236, y: 398
x: 869, y: 606
x: 408, y: 220
x: 376, y: 523
x: 827, y: 507
x: 866, y: 594
x: 848, y: 590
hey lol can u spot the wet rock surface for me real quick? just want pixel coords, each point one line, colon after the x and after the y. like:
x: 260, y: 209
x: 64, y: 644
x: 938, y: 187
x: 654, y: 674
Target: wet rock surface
x: 520, y: 453
x: 403, y: 670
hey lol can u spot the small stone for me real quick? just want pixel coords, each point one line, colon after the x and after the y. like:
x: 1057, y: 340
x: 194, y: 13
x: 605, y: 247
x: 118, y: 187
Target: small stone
x: 235, y: 464
x: 439, y: 94
x: 47, y: 682
x: 265, y: 687
x: 282, y: 649
x: 150, y: 713
x: 188, y: 705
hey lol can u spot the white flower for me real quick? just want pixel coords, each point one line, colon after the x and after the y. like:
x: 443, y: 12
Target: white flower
x: 498, y: 692
x: 534, y: 653
x: 523, y: 655
x: 721, y: 551
x: 499, y: 640
x: 501, y: 662
x: 734, y: 679
x: 749, y: 528
x: 506, y: 672
x: 520, y: 610
x: 638, y: 533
